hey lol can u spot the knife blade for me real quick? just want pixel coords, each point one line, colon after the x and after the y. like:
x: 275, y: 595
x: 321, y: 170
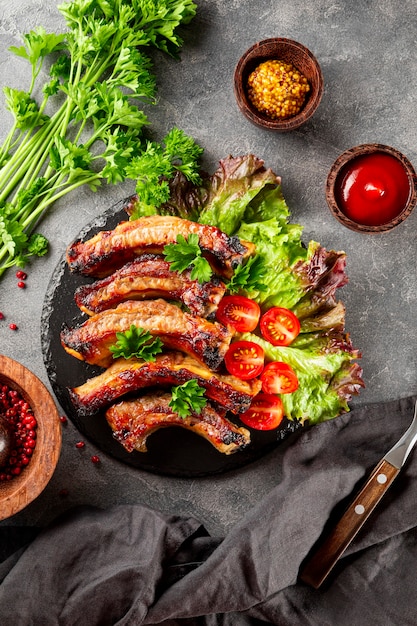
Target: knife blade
x: 324, y: 558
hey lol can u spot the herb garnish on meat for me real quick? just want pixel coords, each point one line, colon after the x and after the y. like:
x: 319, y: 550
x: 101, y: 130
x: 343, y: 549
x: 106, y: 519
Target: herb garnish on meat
x: 248, y: 278
x: 187, y: 398
x: 186, y: 254
x: 136, y: 342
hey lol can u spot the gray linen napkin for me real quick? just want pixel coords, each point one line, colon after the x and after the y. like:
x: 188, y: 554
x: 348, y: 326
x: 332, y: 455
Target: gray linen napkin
x: 130, y: 565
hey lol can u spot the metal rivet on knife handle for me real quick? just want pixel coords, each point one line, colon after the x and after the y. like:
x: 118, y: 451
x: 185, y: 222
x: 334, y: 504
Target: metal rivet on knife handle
x: 331, y: 549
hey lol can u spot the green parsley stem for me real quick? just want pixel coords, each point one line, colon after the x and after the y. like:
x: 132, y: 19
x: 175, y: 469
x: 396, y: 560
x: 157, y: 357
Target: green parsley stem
x: 33, y: 151
x: 9, y: 143
x: 34, y: 170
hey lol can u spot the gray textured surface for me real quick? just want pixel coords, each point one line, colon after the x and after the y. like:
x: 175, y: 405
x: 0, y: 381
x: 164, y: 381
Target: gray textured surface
x: 368, y: 58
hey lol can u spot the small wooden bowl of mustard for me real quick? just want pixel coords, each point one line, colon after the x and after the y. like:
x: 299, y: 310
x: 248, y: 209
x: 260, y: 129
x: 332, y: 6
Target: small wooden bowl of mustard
x: 278, y: 84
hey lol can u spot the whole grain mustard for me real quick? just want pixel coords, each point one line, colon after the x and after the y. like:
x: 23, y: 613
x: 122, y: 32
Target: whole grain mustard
x: 277, y: 89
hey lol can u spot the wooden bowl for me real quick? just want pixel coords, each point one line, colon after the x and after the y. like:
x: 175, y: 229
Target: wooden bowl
x: 17, y: 493
x: 288, y: 51
x: 339, y: 171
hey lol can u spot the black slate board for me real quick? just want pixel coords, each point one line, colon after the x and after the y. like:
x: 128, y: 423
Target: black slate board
x: 171, y: 451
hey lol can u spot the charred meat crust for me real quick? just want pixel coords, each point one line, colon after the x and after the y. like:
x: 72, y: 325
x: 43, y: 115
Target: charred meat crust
x: 172, y: 368
x: 206, y: 341
x: 150, y: 276
x: 108, y: 250
x: 133, y: 421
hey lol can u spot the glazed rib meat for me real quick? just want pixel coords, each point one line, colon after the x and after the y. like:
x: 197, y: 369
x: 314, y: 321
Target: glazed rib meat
x: 150, y: 276
x: 109, y: 250
x: 168, y: 369
x: 206, y: 341
x: 133, y: 421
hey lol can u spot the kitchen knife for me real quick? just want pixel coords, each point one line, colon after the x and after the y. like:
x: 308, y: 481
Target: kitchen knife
x: 330, y: 550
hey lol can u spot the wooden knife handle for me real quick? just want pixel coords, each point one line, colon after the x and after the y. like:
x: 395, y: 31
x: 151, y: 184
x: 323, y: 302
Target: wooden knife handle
x: 322, y: 561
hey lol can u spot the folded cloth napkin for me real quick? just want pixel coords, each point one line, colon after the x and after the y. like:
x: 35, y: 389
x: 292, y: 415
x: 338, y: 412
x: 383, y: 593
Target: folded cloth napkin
x: 130, y: 565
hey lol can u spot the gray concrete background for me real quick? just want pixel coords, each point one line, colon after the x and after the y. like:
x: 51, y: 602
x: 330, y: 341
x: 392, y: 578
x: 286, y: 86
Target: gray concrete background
x: 368, y: 58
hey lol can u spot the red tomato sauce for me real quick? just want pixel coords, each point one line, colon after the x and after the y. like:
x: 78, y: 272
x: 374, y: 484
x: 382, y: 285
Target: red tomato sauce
x: 373, y: 189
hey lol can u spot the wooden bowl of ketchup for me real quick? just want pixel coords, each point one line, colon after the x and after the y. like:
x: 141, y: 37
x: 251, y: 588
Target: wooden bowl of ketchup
x: 371, y: 188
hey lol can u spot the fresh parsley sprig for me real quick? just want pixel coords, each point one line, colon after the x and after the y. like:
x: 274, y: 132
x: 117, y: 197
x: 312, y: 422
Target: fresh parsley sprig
x: 157, y: 165
x: 136, y: 342
x: 94, y: 127
x: 188, y: 398
x: 248, y: 277
x: 185, y: 254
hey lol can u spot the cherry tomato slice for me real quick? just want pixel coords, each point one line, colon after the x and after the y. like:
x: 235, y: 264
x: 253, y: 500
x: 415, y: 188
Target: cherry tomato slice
x: 279, y: 326
x: 239, y: 312
x: 244, y: 359
x: 278, y: 377
x: 265, y: 412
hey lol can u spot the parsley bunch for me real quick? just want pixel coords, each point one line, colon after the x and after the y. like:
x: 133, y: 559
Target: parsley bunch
x: 98, y: 77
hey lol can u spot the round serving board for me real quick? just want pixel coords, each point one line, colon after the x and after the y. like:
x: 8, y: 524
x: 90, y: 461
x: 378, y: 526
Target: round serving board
x: 171, y: 451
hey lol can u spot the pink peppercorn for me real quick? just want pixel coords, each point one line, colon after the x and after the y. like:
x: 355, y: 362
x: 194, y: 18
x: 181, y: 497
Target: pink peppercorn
x: 21, y: 420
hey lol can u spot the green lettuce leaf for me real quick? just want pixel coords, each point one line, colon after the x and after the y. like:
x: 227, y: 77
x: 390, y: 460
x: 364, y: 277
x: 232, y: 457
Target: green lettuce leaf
x: 279, y: 248
x: 327, y: 377
x: 230, y: 190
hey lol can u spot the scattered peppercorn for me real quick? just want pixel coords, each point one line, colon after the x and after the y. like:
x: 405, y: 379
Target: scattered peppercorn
x: 21, y: 284
x: 13, y: 326
x: 63, y: 419
x: 277, y: 89
x: 80, y: 444
x: 22, y: 275
x: 95, y: 459
x: 1, y: 316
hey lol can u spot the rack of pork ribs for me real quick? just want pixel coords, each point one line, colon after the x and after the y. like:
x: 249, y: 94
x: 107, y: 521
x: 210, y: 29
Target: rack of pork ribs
x: 134, y: 285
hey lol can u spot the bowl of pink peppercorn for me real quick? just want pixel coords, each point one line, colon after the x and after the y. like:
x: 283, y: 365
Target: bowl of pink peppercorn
x: 30, y: 437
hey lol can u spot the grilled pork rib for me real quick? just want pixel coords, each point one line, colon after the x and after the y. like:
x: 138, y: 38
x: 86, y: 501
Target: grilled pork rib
x: 133, y: 421
x: 109, y: 250
x: 168, y: 369
x: 91, y: 341
x: 150, y: 276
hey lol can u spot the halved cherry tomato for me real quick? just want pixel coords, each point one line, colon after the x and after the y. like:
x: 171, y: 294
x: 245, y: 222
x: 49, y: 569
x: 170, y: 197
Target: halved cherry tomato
x: 279, y: 377
x: 244, y: 359
x: 239, y: 312
x: 265, y: 412
x: 279, y: 326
